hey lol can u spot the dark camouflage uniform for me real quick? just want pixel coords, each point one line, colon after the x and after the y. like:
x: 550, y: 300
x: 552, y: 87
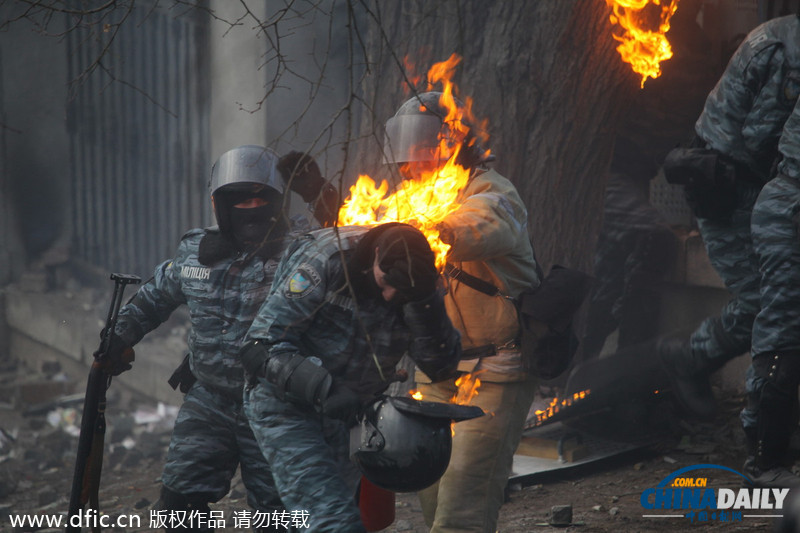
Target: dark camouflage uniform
x: 776, y: 236
x: 310, y: 311
x: 743, y: 119
x: 211, y: 435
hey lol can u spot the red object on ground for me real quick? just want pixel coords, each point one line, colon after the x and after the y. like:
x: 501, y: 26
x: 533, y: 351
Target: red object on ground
x: 376, y: 506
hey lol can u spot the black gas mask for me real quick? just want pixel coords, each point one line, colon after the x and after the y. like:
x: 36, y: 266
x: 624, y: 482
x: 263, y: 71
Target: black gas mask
x: 251, y: 219
x: 251, y: 225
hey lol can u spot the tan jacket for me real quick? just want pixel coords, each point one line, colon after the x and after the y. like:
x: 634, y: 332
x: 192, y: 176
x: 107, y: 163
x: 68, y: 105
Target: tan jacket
x: 489, y: 238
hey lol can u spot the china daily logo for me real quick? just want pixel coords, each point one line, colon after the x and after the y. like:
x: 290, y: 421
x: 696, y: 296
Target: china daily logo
x: 687, y: 494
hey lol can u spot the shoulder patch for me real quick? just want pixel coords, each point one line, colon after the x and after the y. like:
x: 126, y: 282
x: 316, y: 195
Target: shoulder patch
x: 302, y: 282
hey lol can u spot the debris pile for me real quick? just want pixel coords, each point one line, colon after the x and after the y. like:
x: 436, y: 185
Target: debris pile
x: 39, y: 425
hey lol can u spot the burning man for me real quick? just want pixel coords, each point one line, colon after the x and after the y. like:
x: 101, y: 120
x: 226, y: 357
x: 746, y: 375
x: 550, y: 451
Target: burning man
x: 346, y: 304
x: 754, y: 250
x: 223, y: 275
x: 489, y: 240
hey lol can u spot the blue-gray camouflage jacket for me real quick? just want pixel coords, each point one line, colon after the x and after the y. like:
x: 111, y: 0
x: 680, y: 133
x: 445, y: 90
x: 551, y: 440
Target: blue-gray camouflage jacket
x: 311, y: 311
x: 746, y: 111
x: 222, y: 299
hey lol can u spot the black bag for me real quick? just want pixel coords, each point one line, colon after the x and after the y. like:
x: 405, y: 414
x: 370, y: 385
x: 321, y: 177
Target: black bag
x: 552, y: 304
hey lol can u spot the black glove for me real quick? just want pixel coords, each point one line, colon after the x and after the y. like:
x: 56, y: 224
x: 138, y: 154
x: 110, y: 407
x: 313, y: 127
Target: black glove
x: 413, y: 283
x: 408, y: 263
x: 253, y: 356
x: 118, y: 358
x: 302, y: 174
x: 342, y: 403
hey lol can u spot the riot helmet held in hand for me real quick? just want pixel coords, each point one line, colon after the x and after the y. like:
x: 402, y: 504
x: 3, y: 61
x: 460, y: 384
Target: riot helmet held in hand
x: 404, y: 445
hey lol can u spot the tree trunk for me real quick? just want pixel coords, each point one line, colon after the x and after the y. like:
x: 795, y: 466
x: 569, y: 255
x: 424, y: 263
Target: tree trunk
x: 547, y: 78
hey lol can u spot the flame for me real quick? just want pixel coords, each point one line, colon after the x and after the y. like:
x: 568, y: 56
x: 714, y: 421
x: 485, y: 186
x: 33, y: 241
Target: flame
x: 467, y: 388
x: 425, y: 201
x: 555, y: 405
x: 413, y: 77
x: 467, y: 384
x: 643, y: 48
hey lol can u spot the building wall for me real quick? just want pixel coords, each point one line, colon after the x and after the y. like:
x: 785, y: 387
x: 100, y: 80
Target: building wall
x: 105, y: 175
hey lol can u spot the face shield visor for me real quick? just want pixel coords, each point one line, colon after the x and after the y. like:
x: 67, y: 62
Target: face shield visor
x: 413, y: 138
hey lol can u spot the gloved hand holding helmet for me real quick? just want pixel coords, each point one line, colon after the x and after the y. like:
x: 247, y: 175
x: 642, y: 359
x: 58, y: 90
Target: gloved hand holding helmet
x: 341, y: 403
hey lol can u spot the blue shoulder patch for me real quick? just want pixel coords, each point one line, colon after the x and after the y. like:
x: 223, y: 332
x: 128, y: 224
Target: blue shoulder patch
x: 302, y: 282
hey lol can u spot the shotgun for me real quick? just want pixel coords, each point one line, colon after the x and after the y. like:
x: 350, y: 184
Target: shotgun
x: 89, y: 462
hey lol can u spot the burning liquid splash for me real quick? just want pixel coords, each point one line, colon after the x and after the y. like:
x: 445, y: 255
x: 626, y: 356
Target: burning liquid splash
x: 425, y: 201
x: 643, y: 41
x: 555, y: 406
x: 467, y: 384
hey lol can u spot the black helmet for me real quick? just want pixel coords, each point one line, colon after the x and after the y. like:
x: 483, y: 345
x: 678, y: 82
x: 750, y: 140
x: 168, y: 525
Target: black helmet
x: 242, y: 172
x: 403, y: 445
x: 416, y: 130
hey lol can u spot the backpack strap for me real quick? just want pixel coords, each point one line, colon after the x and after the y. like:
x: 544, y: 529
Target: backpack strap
x: 488, y: 289
x: 471, y: 281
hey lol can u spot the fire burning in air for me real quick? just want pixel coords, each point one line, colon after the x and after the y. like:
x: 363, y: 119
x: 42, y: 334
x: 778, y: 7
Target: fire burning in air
x: 643, y: 41
x: 426, y: 200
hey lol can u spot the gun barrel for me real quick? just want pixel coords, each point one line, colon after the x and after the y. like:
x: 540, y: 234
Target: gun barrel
x: 85, y: 479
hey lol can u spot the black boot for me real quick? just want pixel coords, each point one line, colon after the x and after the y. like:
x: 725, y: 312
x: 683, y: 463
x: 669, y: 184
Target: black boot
x: 689, y: 377
x: 768, y: 442
x: 183, y: 506
x: 765, y: 472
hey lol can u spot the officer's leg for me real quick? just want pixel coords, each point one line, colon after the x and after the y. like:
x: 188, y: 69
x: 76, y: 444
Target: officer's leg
x: 262, y: 494
x: 776, y: 333
x: 730, y: 250
x: 608, y: 273
x: 717, y: 340
x: 774, y: 407
x: 305, y: 466
x: 201, y: 460
x: 652, y: 256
